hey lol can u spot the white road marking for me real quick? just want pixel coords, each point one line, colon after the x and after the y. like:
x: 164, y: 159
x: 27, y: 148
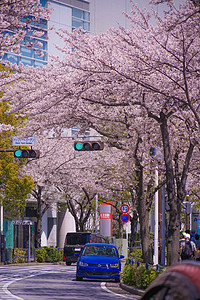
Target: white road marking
x: 6, y: 285
x: 103, y: 286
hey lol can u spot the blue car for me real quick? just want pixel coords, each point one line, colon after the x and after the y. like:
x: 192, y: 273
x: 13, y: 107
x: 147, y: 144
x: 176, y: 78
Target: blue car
x: 100, y: 261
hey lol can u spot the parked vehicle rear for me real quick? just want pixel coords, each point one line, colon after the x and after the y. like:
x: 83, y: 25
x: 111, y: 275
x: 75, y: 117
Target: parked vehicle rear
x: 75, y: 241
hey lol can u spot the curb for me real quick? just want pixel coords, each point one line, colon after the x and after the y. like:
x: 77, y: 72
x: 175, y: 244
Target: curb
x: 131, y: 289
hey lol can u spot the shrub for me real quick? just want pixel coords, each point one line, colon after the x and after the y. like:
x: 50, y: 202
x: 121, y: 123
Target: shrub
x: 20, y: 256
x: 127, y: 275
x: 139, y: 277
x: 53, y: 255
x: 49, y: 254
x: 136, y: 254
x: 41, y: 254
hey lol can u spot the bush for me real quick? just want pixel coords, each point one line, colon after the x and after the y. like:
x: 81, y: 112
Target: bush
x: 41, y: 254
x: 53, y: 255
x: 136, y: 254
x: 20, y: 256
x: 46, y: 254
x: 139, y: 277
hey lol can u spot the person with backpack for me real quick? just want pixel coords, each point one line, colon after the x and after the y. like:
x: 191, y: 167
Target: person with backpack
x: 188, y: 249
x: 197, y: 246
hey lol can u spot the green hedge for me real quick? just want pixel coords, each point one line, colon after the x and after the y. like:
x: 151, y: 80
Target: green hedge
x: 139, y: 277
x: 49, y: 254
x: 20, y: 256
x: 136, y: 254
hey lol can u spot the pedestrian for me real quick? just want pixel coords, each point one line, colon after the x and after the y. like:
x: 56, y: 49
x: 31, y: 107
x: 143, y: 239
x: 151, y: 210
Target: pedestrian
x: 197, y: 246
x: 194, y: 248
x: 192, y: 237
x: 188, y: 249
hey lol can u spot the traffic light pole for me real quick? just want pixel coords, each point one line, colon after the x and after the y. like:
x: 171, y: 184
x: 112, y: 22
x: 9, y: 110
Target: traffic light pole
x: 7, y: 150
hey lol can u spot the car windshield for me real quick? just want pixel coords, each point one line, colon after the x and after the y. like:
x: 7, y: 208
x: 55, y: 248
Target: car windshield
x: 77, y: 238
x: 99, y: 251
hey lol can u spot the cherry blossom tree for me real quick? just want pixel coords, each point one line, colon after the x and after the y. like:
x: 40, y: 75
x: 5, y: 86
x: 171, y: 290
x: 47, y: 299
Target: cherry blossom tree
x: 17, y: 18
x: 141, y: 83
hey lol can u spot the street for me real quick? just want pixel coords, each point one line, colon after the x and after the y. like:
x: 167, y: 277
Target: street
x: 53, y: 282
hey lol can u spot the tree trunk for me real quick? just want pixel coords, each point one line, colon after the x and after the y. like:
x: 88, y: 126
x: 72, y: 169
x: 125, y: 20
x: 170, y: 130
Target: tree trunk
x: 133, y: 221
x: 174, y: 213
x: 39, y: 218
x: 143, y: 213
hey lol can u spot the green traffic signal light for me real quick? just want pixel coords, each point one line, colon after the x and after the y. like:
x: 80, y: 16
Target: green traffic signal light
x: 78, y: 146
x: 17, y: 153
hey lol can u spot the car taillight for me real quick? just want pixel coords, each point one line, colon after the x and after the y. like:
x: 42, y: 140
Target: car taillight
x: 65, y: 240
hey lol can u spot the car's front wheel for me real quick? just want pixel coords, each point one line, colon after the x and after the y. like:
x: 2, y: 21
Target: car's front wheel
x: 68, y: 263
x: 78, y: 278
x: 117, y: 279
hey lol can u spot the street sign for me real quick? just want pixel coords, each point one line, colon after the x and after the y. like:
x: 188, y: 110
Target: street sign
x: 125, y: 218
x: 23, y: 142
x: 124, y: 208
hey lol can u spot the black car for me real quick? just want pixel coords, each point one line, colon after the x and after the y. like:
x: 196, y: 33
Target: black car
x: 75, y: 241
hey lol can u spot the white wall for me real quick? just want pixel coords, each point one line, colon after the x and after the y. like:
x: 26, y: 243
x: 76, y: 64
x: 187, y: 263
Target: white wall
x: 107, y: 13
x: 66, y: 223
x: 44, y: 231
x: 49, y: 235
x: 61, y: 17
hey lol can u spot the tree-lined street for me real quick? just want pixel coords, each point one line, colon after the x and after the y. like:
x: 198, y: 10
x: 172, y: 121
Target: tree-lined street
x: 138, y: 90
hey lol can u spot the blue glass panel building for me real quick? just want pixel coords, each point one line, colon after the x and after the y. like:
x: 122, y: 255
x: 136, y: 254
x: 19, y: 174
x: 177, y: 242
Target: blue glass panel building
x: 67, y: 14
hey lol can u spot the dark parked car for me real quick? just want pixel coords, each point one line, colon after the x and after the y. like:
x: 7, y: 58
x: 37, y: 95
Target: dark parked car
x: 74, y: 243
x: 99, y: 261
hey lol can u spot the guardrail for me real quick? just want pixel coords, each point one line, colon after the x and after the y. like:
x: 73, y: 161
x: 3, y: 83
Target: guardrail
x: 25, y: 256
x: 147, y: 265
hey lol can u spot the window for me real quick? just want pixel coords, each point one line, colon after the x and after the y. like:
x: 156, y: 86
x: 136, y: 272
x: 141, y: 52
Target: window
x: 81, y: 14
x: 80, y: 18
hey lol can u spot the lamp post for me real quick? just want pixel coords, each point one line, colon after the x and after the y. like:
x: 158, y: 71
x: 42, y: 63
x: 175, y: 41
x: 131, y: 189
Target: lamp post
x: 1, y: 219
x: 163, y: 228
x: 1, y: 224
x: 153, y: 152
x: 155, y: 256
x: 96, y: 214
x: 156, y: 152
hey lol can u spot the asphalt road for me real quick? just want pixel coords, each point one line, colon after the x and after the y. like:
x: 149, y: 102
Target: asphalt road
x: 54, y: 282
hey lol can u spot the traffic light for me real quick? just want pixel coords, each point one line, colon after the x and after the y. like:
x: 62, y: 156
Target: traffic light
x: 26, y: 153
x: 88, y: 146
